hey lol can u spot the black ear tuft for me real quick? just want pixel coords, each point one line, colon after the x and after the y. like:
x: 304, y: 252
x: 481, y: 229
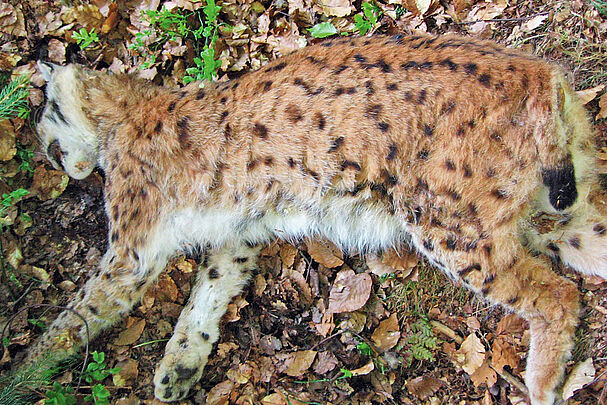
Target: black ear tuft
x: 561, y: 182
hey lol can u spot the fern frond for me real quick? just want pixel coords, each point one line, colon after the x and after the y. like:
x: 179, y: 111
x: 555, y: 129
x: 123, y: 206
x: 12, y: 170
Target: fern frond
x: 13, y: 99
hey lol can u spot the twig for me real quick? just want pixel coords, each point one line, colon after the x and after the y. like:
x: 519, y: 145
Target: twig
x: 447, y: 331
x: 503, y: 19
x: 327, y: 338
x: 512, y: 380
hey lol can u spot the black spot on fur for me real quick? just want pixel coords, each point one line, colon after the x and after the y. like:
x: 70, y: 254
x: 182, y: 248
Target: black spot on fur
x: 205, y: 336
x: 384, y: 66
x: 320, y: 120
x: 450, y: 243
x: 423, y: 154
x: 94, y: 310
x: 251, y: 164
x: 599, y: 229
x: 561, y: 182
x: 391, y: 87
x: 223, y: 100
x: 512, y: 300
x: 185, y: 373
x: 291, y: 162
x: 359, y: 58
x: 421, y: 99
x: 268, y: 161
x: 172, y: 107
x: 184, y: 131
x: 267, y: 85
x: 293, y: 113
x: 55, y: 109
x: 336, y: 144
x: 421, y: 184
x: 470, y: 68
x: 428, y: 130
x: 227, y: 132
x: 115, y: 236
x: 409, y: 65
x: 158, y: 127
x: 485, y: 80
x: 213, y: 273
x: 370, y: 88
x: 279, y: 67
x: 240, y: 259
x: 489, y: 279
x: 552, y: 246
x: 425, y: 65
x: 575, y: 242
x: 200, y: 94
x: 383, y: 126
x: 165, y: 379
x: 340, y: 69
x: 392, y: 151
x: 373, y: 110
x: 223, y: 116
x: 260, y: 130
x: 450, y: 165
x: 463, y: 272
x: 455, y: 196
x: 448, y: 63
x: 348, y: 163
x: 448, y: 107
x: 467, y: 171
x: 500, y: 194
x: 428, y: 245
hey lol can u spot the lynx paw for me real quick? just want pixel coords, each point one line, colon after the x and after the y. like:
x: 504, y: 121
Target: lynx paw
x: 177, y: 373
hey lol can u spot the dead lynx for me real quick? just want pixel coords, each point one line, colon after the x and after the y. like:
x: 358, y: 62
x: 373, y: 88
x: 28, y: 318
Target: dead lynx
x: 474, y: 154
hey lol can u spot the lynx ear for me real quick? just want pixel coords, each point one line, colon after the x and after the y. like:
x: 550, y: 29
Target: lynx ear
x: 47, y: 69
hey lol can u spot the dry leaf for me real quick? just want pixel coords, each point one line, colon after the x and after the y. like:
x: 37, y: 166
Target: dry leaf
x: 376, y: 266
x: 240, y: 374
x: 166, y: 289
x: 325, y: 363
x: 49, y: 184
x: 220, y: 394
x: 582, y: 374
x: 349, y: 292
x: 364, y: 370
x: 299, y: 362
x: 56, y: 51
x: 399, y: 260
x: 386, y: 335
x: 588, y: 95
x: 129, y: 370
x: 603, y: 105
x: 274, y: 399
x: 130, y: 334
x: 484, y: 375
x: 325, y: 253
x: 337, y: 8
x: 511, y: 324
x: 534, y: 23
x: 8, y: 146
x: 11, y: 20
x: 503, y: 355
x: 424, y: 386
x: 287, y: 254
x: 112, y: 18
x: 473, y: 353
x: 418, y: 7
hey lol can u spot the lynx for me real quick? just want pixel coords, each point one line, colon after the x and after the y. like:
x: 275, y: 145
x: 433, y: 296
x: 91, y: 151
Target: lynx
x: 478, y: 156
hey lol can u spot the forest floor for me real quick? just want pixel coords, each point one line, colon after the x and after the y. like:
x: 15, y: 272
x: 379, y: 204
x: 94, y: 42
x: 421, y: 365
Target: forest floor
x: 410, y: 336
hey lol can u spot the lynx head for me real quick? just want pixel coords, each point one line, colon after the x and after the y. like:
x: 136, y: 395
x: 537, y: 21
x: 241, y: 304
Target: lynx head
x: 67, y: 135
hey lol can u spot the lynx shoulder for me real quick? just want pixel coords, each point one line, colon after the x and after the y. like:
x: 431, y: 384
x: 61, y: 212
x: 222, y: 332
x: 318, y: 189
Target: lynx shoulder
x: 461, y: 148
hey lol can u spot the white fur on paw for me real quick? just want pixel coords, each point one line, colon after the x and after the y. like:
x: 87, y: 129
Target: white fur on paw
x: 177, y: 373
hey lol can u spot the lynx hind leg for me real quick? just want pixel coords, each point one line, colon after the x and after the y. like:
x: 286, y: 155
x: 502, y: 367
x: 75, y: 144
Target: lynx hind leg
x: 227, y: 272
x: 502, y: 271
x: 104, y: 299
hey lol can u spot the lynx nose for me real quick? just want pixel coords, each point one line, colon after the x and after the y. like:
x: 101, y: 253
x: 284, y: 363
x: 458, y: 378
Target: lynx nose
x: 53, y: 151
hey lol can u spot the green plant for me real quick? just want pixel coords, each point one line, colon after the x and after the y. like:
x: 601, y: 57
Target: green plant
x: 13, y: 99
x: 174, y: 24
x: 422, y: 340
x: 10, y: 199
x: 601, y: 6
x: 25, y: 156
x: 364, y: 23
x: 96, y: 372
x: 323, y: 30
x: 21, y: 387
x: 84, y: 38
x: 60, y: 395
x: 365, y: 349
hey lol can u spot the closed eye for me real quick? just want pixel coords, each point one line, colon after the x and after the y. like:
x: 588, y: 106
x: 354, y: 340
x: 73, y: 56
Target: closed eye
x: 54, y: 152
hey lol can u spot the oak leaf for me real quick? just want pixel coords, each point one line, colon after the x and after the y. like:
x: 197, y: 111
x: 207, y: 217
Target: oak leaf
x: 484, y: 375
x: 603, y: 105
x: 503, y: 355
x: 131, y: 334
x: 590, y: 94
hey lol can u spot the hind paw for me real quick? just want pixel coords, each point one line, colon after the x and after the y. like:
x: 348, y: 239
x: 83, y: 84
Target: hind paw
x: 177, y: 373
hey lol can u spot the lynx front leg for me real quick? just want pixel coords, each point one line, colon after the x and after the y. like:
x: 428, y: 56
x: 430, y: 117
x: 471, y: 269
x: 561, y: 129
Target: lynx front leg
x: 104, y: 299
x: 198, y: 327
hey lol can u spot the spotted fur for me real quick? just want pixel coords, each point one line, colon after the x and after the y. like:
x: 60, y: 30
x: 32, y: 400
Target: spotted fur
x: 474, y: 154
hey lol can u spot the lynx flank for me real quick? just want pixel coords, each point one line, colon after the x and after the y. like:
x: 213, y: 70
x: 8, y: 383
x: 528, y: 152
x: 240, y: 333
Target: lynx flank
x: 476, y: 155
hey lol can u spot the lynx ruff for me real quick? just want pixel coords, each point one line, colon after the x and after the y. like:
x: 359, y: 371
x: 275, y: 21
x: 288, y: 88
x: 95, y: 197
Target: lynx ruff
x: 476, y: 155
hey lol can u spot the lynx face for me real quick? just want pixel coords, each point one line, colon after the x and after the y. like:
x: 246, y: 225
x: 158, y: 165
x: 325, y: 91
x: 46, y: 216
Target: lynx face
x: 461, y: 148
